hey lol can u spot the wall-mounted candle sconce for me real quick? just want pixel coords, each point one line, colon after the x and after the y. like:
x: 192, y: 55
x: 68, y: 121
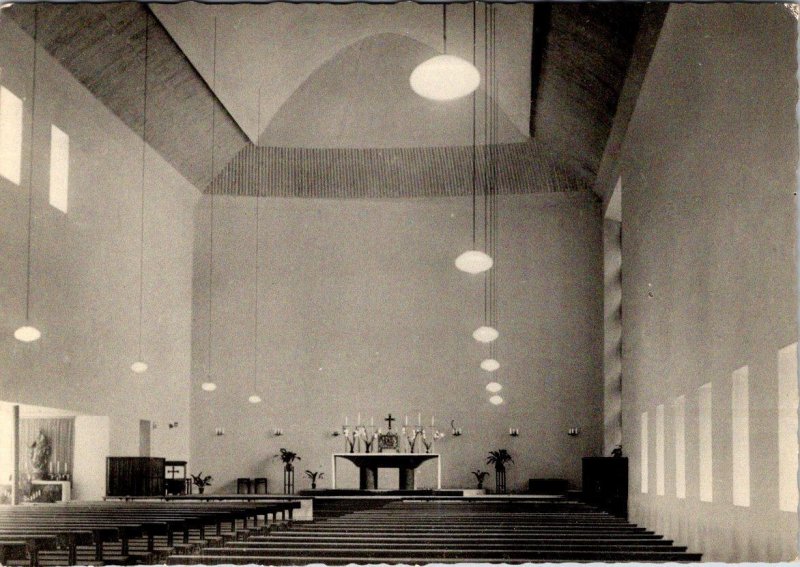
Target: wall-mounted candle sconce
x: 335, y: 433
x: 277, y: 432
x: 456, y: 430
x: 574, y: 431
x: 219, y: 432
x: 514, y: 432
x: 173, y: 425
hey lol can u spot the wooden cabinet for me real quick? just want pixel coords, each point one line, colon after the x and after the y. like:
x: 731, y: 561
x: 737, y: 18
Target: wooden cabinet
x: 134, y: 476
x: 605, y: 484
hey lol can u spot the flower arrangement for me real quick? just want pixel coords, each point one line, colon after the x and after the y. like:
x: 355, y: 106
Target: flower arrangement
x: 499, y: 459
x: 314, y: 475
x: 480, y: 476
x: 201, y: 481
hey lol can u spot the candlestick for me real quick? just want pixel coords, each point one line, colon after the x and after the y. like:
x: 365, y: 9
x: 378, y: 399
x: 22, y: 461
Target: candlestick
x: 359, y: 419
x: 432, y: 420
x: 419, y: 419
x: 372, y: 421
x: 345, y: 420
x: 406, y: 423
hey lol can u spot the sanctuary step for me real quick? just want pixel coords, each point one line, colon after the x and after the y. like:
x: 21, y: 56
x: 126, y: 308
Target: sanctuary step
x: 418, y: 531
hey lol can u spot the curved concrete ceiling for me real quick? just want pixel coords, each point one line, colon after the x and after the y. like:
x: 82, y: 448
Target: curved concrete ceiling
x: 277, y: 47
x: 361, y: 98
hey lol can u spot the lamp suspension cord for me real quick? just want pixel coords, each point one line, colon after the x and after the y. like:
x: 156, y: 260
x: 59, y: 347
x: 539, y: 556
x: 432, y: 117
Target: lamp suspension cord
x: 30, y: 163
x: 492, y: 78
x: 444, y: 28
x: 144, y: 162
x: 486, y: 275
x: 474, y: 127
x: 255, y: 318
x: 211, y: 231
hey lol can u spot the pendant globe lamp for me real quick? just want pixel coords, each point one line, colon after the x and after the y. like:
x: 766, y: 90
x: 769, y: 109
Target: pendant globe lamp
x: 28, y: 333
x: 493, y: 387
x: 254, y: 397
x: 139, y: 366
x: 496, y: 400
x: 209, y: 385
x: 445, y: 77
x: 474, y: 261
x: 490, y: 365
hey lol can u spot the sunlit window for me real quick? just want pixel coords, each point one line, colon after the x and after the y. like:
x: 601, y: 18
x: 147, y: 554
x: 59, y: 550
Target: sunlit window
x: 10, y: 135
x: 59, y: 169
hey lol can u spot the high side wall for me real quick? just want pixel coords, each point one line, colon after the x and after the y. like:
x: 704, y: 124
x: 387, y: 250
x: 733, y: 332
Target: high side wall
x: 709, y: 274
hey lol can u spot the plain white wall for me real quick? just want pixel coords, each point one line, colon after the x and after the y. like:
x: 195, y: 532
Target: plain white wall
x: 92, y: 444
x: 85, y: 265
x: 709, y: 274
x: 362, y: 310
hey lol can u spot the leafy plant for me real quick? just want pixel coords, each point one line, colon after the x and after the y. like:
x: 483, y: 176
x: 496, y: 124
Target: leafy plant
x: 314, y: 475
x: 200, y: 480
x: 287, y: 457
x: 480, y: 476
x: 499, y: 459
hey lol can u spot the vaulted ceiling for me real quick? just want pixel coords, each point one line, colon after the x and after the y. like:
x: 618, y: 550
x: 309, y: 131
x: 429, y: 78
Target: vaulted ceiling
x: 316, y: 77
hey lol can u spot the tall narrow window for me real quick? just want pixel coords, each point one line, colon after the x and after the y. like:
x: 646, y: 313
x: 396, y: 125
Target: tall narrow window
x: 644, y: 462
x: 59, y: 168
x: 787, y: 427
x: 740, y: 440
x: 705, y: 440
x: 660, y: 450
x: 679, y: 407
x: 10, y: 136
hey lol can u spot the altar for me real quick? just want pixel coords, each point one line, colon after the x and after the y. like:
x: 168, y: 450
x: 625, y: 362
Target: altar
x: 369, y: 463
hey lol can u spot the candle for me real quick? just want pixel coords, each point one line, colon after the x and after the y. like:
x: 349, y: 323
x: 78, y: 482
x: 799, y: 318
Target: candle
x: 359, y: 419
x: 419, y: 419
x: 345, y: 420
x: 406, y: 423
x: 433, y: 420
x: 372, y: 421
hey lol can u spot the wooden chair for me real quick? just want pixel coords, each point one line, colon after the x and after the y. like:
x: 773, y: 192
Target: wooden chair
x: 244, y: 486
x: 260, y: 486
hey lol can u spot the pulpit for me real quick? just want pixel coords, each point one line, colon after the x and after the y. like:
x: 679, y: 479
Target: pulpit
x: 369, y: 463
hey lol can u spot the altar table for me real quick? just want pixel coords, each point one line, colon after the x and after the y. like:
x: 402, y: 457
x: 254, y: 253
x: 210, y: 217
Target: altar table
x: 369, y: 463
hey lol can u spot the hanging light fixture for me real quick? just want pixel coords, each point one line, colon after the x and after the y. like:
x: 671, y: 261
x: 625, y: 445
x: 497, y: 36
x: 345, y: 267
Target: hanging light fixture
x: 139, y: 366
x: 496, y: 400
x: 493, y: 387
x: 209, y: 385
x: 254, y: 397
x: 28, y: 333
x: 473, y: 261
x: 487, y: 333
x: 445, y: 77
x: 490, y: 365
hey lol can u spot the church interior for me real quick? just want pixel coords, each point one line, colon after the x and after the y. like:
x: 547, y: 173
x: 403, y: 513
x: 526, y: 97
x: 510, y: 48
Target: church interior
x: 398, y: 283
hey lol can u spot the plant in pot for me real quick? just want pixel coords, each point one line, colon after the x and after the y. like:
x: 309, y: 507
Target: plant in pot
x: 314, y: 475
x: 288, y: 458
x: 201, y: 481
x: 480, y: 476
x: 499, y: 459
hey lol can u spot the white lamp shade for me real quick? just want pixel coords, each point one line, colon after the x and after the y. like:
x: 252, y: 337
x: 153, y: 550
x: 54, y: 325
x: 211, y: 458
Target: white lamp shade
x: 27, y: 334
x: 493, y: 387
x: 496, y: 400
x: 474, y: 262
x: 254, y: 399
x: 445, y: 77
x: 209, y: 386
x: 485, y: 334
x: 139, y: 367
x: 490, y: 365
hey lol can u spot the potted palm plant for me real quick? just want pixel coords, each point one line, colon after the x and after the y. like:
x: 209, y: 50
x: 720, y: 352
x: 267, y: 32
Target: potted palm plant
x: 314, y: 475
x: 288, y: 458
x: 480, y: 476
x: 201, y: 481
x: 499, y: 459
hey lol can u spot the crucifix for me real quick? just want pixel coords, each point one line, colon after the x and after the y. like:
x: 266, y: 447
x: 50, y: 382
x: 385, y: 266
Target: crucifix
x: 389, y: 420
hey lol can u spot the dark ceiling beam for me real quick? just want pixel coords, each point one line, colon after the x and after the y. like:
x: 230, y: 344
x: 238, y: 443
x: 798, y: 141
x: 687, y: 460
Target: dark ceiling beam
x: 541, y: 29
x: 646, y: 38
